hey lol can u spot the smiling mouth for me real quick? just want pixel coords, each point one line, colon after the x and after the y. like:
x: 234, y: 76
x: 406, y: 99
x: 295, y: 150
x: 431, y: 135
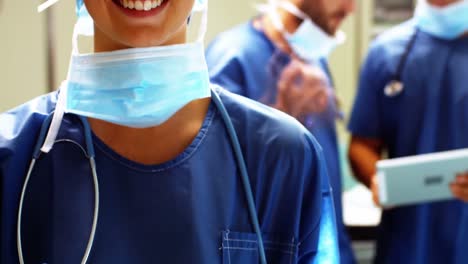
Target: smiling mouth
x: 140, y: 5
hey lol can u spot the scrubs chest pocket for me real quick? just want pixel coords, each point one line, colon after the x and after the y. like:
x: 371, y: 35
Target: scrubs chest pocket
x: 243, y: 248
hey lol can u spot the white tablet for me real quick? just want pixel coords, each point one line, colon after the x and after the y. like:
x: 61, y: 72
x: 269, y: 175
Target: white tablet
x: 419, y: 179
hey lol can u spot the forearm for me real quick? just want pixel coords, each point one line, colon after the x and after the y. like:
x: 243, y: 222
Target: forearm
x: 363, y: 156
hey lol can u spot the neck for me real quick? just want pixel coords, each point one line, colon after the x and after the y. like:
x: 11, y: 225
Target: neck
x: 154, y: 145
x: 290, y: 22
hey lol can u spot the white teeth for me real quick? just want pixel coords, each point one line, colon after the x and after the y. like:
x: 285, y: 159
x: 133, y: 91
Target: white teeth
x: 147, y: 5
x: 138, y: 5
x: 141, y: 5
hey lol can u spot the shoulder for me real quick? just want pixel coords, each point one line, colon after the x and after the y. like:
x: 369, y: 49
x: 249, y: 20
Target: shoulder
x: 243, y: 38
x: 282, y: 157
x: 263, y: 127
x: 20, y: 125
x: 391, y: 44
x: 242, y: 42
x: 384, y: 56
x: 399, y: 34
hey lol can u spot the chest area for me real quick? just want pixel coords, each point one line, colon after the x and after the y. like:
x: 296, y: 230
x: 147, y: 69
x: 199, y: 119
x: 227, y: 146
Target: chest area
x: 434, y: 85
x: 194, y: 213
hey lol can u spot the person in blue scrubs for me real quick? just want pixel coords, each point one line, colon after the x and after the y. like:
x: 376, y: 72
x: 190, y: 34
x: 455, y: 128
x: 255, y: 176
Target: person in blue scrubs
x: 260, y: 61
x: 413, y: 99
x: 170, y: 185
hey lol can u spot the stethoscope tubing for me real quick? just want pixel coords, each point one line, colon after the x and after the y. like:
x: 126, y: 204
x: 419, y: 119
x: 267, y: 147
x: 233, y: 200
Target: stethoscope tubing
x: 89, y: 153
x: 396, y: 86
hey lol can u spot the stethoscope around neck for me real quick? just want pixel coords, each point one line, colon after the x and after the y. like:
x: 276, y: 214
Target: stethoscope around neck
x: 90, y: 154
x: 396, y: 86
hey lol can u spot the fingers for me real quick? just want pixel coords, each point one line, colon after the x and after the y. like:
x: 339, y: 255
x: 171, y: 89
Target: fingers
x: 315, y: 89
x: 289, y: 76
x: 302, y: 89
x: 320, y: 100
x: 314, y: 76
x: 375, y: 190
x: 313, y: 101
x: 459, y: 192
x: 459, y: 187
x: 287, y: 94
x: 462, y: 179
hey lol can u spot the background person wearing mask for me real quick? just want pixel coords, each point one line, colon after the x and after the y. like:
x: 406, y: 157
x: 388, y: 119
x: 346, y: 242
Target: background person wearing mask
x: 280, y: 59
x: 427, y: 113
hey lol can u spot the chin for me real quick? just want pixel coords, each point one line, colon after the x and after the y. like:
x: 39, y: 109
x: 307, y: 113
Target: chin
x: 330, y: 30
x: 143, y: 39
x: 154, y: 36
x: 142, y: 43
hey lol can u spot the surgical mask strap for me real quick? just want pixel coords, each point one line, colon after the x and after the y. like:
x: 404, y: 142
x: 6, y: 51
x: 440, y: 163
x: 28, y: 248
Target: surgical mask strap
x: 291, y: 8
x: 75, y: 49
x: 56, y: 120
x: 62, y: 97
x: 272, y: 9
x: 276, y: 21
x: 272, y: 5
x: 46, y: 5
x: 203, y: 25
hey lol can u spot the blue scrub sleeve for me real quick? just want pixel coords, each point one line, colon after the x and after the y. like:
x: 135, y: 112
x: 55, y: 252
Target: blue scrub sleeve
x: 226, y: 69
x: 366, y: 115
x: 321, y: 244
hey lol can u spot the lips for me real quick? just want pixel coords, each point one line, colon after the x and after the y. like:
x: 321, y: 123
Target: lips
x: 141, y: 8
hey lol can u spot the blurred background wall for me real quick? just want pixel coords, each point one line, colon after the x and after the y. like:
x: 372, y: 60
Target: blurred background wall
x: 23, y: 64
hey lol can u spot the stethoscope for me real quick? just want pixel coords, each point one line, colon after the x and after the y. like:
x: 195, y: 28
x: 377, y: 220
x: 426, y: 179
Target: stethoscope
x: 396, y: 86
x: 90, y: 154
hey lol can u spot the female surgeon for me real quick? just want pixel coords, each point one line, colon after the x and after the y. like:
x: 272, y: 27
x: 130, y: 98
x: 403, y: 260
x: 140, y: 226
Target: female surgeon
x: 138, y: 159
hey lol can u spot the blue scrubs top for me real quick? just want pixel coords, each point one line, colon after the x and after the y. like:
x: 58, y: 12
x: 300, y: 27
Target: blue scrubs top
x: 430, y: 115
x: 245, y: 61
x: 188, y: 210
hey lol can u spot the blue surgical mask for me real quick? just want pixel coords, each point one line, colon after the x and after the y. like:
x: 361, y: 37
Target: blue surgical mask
x: 136, y: 87
x: 449, y: 22
x: 309, y: 41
